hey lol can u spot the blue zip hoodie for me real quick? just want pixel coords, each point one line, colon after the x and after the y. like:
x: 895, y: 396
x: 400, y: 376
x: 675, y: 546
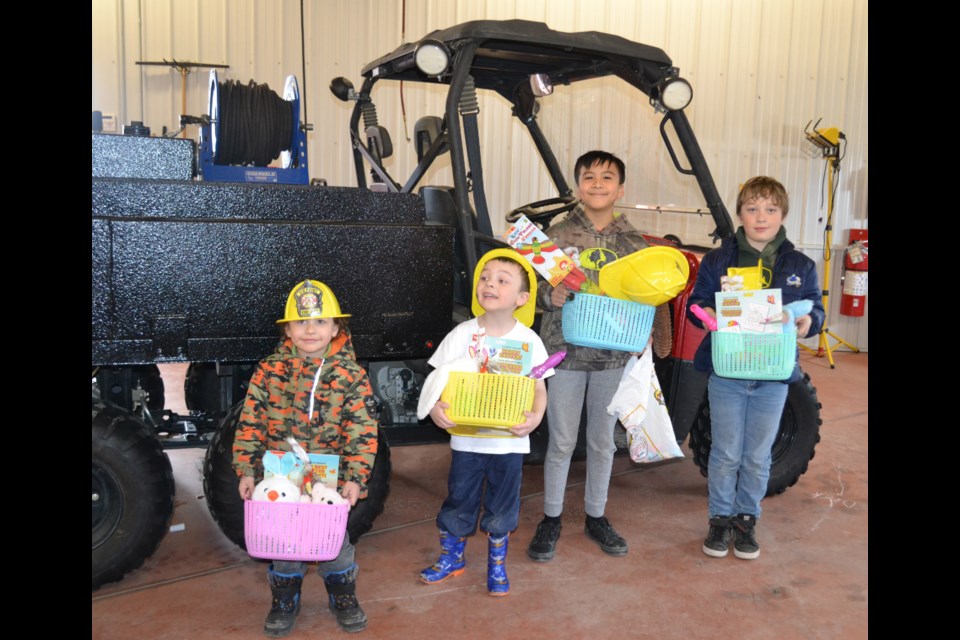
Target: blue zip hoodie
x: 794, y: 274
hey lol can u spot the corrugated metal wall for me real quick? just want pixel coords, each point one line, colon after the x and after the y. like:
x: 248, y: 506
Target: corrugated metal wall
x: 761, y: 71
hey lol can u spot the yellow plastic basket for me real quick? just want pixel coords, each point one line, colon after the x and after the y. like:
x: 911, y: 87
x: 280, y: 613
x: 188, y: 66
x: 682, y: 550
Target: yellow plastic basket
x: 753, y: 356
x: 482, y: 401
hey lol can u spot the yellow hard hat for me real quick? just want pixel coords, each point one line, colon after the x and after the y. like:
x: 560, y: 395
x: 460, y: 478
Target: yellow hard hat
x: 311, y: 299
x: 650, y: 276
x: 525, y: 313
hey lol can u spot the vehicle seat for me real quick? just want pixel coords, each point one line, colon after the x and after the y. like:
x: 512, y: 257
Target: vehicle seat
x: 440, y: 208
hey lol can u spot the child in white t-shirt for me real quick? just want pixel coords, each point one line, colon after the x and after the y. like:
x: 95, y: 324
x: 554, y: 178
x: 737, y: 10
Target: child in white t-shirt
x: 487, y: 470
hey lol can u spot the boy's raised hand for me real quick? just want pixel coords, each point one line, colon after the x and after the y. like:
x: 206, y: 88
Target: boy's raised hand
x: 559, y: 295
x: 439, y: 415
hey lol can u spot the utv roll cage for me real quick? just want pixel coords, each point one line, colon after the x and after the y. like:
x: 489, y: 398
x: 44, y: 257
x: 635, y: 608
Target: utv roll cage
x: 505, y: 56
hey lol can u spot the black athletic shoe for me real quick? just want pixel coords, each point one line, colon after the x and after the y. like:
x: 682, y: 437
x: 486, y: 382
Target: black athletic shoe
x: 718, y: 539
x: 544, y: 542
x: 600, y: 531
x: 744, y: 537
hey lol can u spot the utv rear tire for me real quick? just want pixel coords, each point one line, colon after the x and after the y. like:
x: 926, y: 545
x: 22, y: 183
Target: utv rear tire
x: 793, y: 447
x: 133, y: 492
x: 226, y: 507
x: 220, y: 481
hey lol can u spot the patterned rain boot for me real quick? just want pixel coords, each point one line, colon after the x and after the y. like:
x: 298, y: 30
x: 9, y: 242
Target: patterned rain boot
x: 451, y: 560
x: 497, y: 582
x: 285, y: 606
x: 341, y: 587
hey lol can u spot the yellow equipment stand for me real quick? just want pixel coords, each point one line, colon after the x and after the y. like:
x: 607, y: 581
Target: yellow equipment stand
x: 826, y: 143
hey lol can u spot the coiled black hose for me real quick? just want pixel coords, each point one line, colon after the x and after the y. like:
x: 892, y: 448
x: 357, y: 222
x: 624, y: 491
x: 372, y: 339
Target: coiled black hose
x: 256, y: 124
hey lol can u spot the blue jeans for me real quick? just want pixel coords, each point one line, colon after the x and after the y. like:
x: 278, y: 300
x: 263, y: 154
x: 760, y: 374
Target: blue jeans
x: 744, y: 420
x: 466, y: 492
x: 343, y: 561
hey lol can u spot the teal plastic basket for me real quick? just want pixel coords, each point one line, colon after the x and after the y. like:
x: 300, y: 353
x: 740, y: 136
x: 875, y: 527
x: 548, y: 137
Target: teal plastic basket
x: 607, y: 323
x: 753, y: 356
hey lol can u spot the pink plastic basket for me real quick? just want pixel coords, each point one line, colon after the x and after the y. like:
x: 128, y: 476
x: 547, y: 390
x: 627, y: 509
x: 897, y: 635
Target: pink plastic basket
x: 294, y: 530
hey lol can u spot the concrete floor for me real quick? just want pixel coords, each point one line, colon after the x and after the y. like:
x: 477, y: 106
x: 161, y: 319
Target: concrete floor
x: 810, y: 580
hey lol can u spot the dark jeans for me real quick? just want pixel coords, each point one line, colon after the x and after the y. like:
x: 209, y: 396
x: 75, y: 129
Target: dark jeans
x: 466, y: 492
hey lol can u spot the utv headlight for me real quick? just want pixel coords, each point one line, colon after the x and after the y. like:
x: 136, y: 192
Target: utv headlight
x: 675, y: 93
x: 432, y: 57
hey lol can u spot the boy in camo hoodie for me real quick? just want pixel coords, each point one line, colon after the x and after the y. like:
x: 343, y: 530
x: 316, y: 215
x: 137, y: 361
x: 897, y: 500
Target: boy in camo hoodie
x: 311, y: 388
x: 593, y: 235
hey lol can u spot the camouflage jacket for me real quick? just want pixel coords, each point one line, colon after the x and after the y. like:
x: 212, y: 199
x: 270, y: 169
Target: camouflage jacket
x: 277, y: 406
x: 590, y: 249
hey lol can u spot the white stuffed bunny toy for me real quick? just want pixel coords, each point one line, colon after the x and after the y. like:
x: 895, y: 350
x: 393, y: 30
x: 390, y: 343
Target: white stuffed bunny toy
x: 276, y: 489
x: 278, y: 484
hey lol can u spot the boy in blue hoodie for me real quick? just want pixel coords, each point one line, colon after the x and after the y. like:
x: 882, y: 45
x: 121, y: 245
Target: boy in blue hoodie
x: 745, y: 414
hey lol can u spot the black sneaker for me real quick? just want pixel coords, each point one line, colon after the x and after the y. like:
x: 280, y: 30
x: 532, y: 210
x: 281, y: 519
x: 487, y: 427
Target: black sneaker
x: 744, y: 537
x: 718, y: 539
x: 600, y: 531
x: 544, y: 542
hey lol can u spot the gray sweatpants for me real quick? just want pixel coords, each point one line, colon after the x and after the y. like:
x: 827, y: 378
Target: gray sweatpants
x: 565, y: 392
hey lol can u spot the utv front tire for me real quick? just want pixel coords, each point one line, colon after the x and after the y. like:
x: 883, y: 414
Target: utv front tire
x: 226, y: 507
x: 133, y: 493
x: 793, y: 447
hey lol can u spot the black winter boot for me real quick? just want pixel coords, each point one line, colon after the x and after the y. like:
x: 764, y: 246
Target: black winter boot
x: 285, y: 606
x: 343, y: 600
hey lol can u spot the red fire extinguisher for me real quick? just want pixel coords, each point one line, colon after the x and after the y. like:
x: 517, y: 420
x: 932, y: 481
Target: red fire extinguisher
x: 854, y: 277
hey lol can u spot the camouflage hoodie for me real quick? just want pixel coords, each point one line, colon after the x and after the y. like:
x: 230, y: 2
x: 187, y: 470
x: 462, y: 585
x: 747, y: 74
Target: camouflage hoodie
x: 591, y: 249
x: 278, y: 404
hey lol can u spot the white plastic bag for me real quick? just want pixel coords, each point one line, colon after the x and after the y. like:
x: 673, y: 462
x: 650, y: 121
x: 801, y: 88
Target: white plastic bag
x: 640, y: 406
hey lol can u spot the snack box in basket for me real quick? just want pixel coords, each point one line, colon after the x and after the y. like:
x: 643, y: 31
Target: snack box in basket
x: 543, y: 254
x: 749, y: 310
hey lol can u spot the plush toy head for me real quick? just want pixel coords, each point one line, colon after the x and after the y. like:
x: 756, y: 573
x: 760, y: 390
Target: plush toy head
x: 323, y: 494
x: 287, y: 465
x: 276, y: 489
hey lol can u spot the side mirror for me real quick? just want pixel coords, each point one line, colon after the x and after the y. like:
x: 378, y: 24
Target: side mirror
x: 342, y: 89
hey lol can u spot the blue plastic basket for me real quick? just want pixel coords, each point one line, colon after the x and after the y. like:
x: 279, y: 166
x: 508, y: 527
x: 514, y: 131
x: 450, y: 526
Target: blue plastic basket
x: 607, y: 323
x: 753, y: 356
